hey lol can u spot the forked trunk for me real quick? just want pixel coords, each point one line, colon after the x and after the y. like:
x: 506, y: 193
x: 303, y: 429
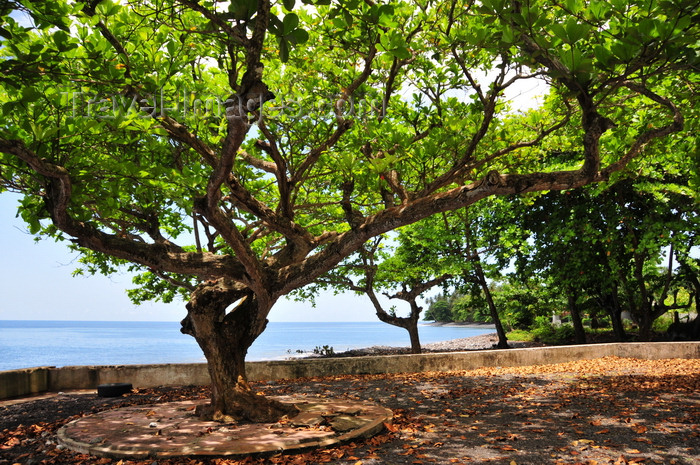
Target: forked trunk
x: 409, y: 323
x: 225, y: 338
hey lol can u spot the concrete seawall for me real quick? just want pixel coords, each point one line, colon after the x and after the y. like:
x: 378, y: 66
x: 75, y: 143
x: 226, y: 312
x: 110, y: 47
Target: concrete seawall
x: 17, y: 383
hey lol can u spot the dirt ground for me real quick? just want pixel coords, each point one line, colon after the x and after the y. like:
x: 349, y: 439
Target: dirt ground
x: 605, y: 411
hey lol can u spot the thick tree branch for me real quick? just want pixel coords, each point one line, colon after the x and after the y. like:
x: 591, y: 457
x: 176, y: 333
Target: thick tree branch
x: 258, y: 163
x: 278, y: 222
x: 180, y: 132
x: 283, y: 186
x: 489, y: 102
x: 342, y: 245
x: 157, y: 256
x: 208, y: 206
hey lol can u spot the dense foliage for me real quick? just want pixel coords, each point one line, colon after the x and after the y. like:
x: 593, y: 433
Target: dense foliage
x: 592, y: 254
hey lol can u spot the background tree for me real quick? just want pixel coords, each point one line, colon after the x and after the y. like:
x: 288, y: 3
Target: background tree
x: 439, y: 251
x: 403, y: 272
x: 473, y: 269
x: 144, y: 132
x: 615, y: 248
x: 440, y: 309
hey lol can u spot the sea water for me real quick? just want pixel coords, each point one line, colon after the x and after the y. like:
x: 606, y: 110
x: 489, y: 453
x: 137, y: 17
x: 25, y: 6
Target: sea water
x: 25, y: 344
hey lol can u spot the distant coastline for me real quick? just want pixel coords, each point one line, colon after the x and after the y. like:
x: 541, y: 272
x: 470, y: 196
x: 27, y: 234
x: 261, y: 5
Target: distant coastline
x: 460, y: 325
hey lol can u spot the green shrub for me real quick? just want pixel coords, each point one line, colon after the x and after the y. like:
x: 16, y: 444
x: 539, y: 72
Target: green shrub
x: 544, y: 334
x: 565, y: 333
x: 520, y: 335
x: 548, y: 334
x: 662, y: 323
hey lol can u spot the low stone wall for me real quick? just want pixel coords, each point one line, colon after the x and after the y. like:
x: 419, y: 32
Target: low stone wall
x: 18, y: 383
x: 89, y: 377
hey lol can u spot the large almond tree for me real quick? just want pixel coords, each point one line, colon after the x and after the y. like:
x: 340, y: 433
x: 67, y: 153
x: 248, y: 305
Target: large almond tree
x: 239, y: 150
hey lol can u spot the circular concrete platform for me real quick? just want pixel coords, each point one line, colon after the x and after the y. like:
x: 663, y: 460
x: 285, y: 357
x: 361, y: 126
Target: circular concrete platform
x: 172, y: 430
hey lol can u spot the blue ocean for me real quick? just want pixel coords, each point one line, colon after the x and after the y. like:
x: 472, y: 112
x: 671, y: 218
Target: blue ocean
x: 25, y: 344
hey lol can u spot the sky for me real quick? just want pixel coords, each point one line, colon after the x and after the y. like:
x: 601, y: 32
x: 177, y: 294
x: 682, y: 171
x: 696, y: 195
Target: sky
x: 36, y: 283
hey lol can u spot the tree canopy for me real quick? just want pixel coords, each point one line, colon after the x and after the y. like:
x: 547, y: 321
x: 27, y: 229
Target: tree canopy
x: 240, y: 150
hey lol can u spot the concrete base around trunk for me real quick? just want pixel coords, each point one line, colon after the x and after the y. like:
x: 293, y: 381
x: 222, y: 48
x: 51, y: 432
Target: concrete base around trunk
x: 171, y: 430
x: 17, y: 383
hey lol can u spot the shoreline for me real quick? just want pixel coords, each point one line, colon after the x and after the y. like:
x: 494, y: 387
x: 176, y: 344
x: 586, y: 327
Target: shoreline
x: 487, y: 341
x: 454, y: 324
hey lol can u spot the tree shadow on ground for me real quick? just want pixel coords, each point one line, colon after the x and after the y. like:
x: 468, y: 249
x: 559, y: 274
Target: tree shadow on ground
x: 590, y: 412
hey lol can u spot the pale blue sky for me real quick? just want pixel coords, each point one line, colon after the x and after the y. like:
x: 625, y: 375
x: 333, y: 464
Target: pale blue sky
x: 36, y: 283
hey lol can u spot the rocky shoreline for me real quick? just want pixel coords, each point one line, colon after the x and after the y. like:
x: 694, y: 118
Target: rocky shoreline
x: 481, y: 342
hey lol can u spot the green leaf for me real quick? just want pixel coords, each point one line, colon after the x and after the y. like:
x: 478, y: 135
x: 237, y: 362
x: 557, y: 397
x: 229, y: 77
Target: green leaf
x: 623, y: 51
x: 348, y: 18
x: 30, y: 94
x: 576, y: 31
x: 289, y: 4
x: 574, y: 6
x: 339, y: 22
x: 243, y: 9
x: 290, y: 22
x: 107, y: 8
x: 401, y: 53
x: 298, y: 36
x: 559, y: 32
x: 172, y: 47
x: 604, y: 56
x: 598, y: 10
x: 60, y: 38
x: 5, y: 33
x: 385, y: 16
x: 494, y: 5
x: 508, y: 36
x: 275, y: 25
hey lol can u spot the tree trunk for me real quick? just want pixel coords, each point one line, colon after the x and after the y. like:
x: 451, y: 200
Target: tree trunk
x: 415, y: 339
x: 225, y: 338
x: 481, y: 277
x: 502, y: 339
x: 579, y: 331
x: 646, y: 320
x: 615, y: 311
x: 410, y: 324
